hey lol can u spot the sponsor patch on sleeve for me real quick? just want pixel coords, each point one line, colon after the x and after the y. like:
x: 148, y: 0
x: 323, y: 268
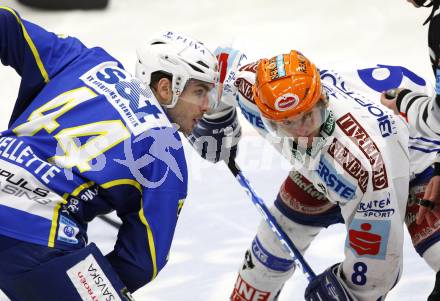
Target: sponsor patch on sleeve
x: 367, y: 238
x: 91, y: 282
x: 335, y: 181
x: 67, y: 230
x: 352, y: 128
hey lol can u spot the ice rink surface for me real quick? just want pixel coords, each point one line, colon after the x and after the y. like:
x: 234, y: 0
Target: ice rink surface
x: 218, y: 220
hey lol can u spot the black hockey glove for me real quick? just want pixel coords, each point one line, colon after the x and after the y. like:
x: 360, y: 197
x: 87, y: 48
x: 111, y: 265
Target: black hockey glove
x: 216, y: 139
x: 435, y: 295
x: 436, y: 168
x: 327, y: 286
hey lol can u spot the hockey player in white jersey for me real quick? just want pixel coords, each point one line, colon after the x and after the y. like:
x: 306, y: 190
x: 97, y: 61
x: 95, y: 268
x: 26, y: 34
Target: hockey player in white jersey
x: 351, y: 164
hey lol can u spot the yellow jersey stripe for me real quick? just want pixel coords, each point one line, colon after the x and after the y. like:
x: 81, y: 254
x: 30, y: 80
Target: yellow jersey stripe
x: 53, y: 227
x: 82, y: 187
x: 150, y: 242
x: 122, y: 182
x: 144, y: 221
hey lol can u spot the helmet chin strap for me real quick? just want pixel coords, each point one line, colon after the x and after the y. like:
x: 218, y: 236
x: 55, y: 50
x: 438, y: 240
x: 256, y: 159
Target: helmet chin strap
x: 173, y: 103
x: 175, y: 94
x: 176, y: 90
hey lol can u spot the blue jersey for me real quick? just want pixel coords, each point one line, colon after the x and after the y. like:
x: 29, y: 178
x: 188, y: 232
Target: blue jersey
x: 86, y: 138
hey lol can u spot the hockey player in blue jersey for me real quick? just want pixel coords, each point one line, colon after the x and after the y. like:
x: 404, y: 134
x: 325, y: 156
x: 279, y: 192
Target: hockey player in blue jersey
x: 87, y: 138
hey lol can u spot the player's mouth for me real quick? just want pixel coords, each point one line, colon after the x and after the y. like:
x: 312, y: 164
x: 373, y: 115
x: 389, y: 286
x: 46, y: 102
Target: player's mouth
x: 305, y: 133
x: 194, y: 122
x: 197, y: 119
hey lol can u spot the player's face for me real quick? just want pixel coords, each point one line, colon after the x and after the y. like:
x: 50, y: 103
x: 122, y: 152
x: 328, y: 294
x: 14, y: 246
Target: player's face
x: 192, y: 104
x: 305, y: 125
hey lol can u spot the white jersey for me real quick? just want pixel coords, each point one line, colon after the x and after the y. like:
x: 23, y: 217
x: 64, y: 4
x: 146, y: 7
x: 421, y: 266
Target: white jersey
x: 421, y: 111
x: 362, y: 162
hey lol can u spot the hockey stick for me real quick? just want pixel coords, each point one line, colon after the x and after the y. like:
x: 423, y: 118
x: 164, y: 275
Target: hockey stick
x: 288, y: 245
x: 110, y: 221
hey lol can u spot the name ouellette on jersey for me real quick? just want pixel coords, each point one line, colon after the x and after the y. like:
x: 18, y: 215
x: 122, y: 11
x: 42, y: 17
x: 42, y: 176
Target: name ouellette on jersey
x: 85, y: 138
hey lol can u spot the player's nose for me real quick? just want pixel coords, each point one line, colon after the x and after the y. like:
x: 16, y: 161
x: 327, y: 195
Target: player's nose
x: 204, y: 107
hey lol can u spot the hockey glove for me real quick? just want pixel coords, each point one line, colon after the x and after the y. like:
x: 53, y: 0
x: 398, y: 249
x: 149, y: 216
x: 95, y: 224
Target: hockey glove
x: 435, y: 294
x: 216, y: 139
x: 327, y: 286
x: 437, y: 165
x: 229, y: 61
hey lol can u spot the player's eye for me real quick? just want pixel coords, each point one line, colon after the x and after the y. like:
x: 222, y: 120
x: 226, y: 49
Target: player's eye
x: 200, y: 92
x: 307, y: 116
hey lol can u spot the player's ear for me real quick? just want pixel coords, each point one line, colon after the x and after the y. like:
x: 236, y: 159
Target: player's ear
x: 324, y: 99
x: 163, y: 91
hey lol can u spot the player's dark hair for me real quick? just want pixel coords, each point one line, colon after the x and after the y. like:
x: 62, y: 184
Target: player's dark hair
x: 157, y: 76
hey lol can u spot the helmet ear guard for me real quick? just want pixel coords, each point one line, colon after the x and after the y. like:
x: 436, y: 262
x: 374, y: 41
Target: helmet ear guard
x: 180, y: 56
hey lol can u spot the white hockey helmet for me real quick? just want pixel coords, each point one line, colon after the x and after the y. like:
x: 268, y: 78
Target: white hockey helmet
x: 179, y: 55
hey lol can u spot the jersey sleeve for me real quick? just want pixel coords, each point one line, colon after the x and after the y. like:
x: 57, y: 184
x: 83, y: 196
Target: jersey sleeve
x: 434, y: 41
x: 36, y: 54
x: 144, y: 239
x: 373, y: 246
x: 374, y: 242
x: 421, y: 111
x: 149, y: 215
x: 230, y: 60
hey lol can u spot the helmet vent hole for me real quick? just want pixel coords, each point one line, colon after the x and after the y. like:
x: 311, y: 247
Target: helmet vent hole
x: 195, y: 68
x: 202, y: 64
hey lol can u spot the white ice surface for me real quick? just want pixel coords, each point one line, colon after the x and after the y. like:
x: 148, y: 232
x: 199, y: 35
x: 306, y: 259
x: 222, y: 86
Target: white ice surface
x: 218, y: 221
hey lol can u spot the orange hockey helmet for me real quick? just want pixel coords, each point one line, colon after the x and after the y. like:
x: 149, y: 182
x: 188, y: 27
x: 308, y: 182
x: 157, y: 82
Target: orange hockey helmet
x: 286, y: 85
